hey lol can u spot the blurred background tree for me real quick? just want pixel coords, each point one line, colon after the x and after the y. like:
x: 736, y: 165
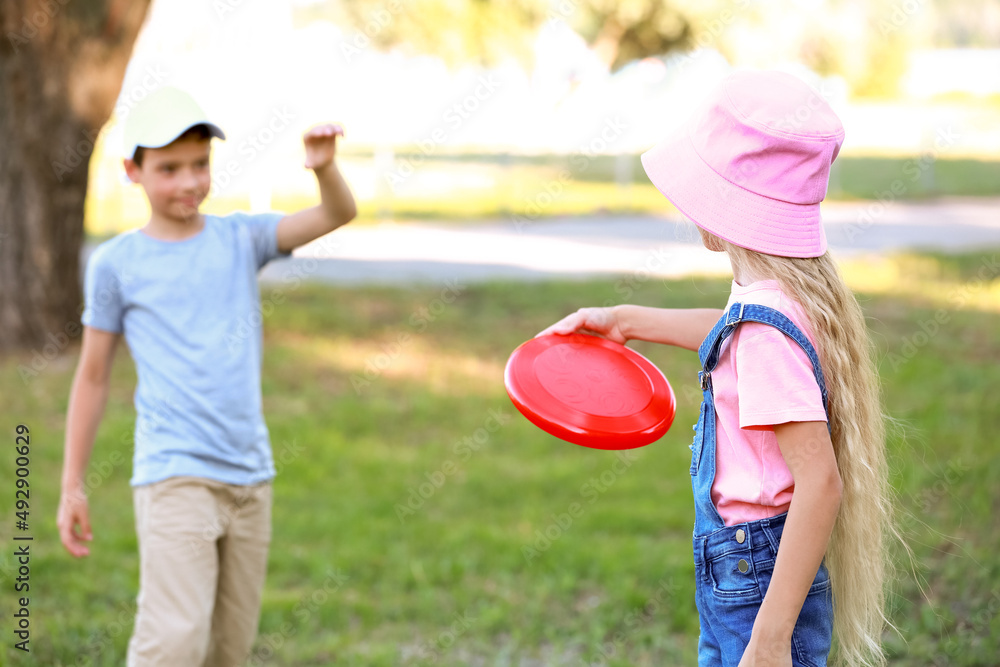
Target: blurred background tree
x: 486, y: 32
x: 865, y: 41
x: 61, y: 70
x: 965, y: 24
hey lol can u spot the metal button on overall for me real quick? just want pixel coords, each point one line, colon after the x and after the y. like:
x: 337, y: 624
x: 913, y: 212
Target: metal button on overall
x: 743, y: 565
x: 740, y: 536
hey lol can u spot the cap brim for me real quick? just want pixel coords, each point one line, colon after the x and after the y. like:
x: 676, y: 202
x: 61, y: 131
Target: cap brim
x: 160, y: 142
x: 167, y: 138
x: 733, y: 213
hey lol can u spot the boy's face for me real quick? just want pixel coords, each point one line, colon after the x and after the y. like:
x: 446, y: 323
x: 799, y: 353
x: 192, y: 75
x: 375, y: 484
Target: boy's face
x: 176, y: 177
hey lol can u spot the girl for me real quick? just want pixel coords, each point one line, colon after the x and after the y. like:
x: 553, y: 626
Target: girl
x: 789, y: 447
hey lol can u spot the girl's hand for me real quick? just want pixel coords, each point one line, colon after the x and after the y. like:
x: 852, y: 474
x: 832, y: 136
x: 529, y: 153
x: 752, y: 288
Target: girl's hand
x: 764, y: 653
x: 601, y: 322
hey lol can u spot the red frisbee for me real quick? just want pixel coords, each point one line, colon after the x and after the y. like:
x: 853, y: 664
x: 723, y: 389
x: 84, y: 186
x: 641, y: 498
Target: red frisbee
x: 590, y: 391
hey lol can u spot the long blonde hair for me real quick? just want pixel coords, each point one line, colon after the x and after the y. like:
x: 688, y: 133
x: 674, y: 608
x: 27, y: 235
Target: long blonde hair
x: 858, y: 554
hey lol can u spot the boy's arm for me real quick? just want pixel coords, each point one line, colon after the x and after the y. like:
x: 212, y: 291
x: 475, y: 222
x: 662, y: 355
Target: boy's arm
x: 87, y: 399
x: 337, y: 205
x: 683, y: 327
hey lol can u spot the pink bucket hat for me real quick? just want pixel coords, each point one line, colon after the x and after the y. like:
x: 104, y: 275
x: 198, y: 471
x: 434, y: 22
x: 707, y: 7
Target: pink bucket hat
x: 752, y: 164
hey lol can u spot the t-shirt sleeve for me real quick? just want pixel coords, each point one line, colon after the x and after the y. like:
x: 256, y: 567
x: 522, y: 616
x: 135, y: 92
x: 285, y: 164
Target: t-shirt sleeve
x: 102, y: 289
x: 263, y: 230
x: 775, y: 379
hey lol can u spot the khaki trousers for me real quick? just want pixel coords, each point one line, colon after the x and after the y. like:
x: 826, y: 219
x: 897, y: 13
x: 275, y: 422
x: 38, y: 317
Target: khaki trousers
x: 202, y: 562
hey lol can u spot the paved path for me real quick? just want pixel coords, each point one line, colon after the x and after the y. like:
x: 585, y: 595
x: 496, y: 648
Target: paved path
x: 406, y: 253
x: 412, y: 252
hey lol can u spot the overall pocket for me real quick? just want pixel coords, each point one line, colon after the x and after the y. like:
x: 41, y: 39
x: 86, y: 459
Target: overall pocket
x: 813, y: 633
x: 699, y: 439
x: 734, y: 575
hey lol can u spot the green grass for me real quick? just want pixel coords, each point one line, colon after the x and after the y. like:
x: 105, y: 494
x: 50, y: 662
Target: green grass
x: 349, y: 453
x: 543, y: 186
x: 854, y: 176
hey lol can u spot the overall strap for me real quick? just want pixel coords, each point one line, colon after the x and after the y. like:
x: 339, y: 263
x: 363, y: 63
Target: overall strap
x: 708, y: 353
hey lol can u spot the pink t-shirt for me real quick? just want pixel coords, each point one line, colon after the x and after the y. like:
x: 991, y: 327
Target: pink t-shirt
x: 763, y: 378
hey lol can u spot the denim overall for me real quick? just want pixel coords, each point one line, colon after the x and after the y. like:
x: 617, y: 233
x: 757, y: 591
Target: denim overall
x: 733, y: 564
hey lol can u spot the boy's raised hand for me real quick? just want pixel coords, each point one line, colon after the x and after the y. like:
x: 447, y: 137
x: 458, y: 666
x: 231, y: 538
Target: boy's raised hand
x: 73, y: 512
x: 600, y: 321
x: 321, y: 144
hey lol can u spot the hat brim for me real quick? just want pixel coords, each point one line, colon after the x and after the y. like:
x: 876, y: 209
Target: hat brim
x: 725, y: 209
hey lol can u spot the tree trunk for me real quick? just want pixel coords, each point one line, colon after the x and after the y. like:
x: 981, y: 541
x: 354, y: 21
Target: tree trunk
x: 61, y: 68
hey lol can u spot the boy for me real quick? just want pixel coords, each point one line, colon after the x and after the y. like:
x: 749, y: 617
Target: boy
x: 179, y: 289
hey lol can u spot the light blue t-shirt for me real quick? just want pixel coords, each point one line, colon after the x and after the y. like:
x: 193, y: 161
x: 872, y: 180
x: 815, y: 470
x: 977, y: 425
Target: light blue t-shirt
x: 190, y: 312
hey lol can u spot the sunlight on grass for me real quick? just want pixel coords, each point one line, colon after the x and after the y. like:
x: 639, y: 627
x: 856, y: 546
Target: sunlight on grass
x: 111, y: 215
x: 930, y: 280
x: 404, y: 357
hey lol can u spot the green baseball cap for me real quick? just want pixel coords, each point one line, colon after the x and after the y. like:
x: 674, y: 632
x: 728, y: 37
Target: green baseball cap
x: 163, y: 116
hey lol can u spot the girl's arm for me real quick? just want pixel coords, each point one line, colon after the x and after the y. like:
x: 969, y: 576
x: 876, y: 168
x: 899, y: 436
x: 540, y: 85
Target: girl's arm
x: 808, y: 451
x: 683, y: 327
